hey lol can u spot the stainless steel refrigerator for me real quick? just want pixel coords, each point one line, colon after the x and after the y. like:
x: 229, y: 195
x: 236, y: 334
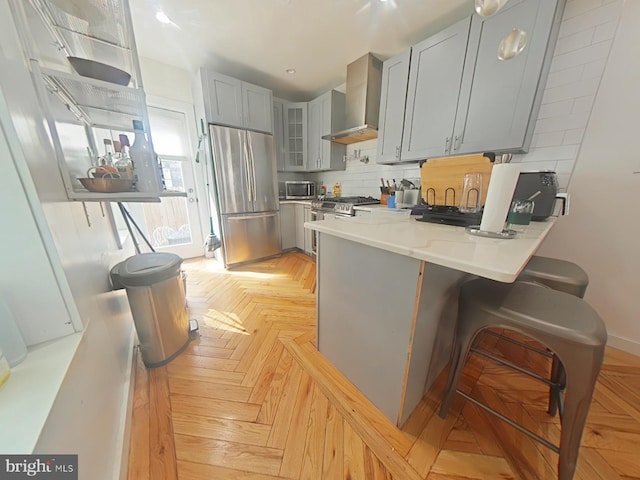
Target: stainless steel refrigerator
x: 244, y: 167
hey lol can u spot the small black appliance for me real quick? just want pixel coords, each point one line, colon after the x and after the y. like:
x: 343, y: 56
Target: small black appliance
x: 544, y: 181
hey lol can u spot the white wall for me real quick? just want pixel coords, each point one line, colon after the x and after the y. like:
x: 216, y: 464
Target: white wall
x: 166, y: 81
x: 603, y: 230
x: 584, y: 41
x: 88, y: 415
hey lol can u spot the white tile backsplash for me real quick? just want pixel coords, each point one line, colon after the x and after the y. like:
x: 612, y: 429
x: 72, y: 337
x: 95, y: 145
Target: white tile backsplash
x: 578, y: 7
x: 582, y: 56
x: 561, y: 123
x: 563, y: 77
x: 606, y: 12
x: 594, y: 69
x: 573, y: 137
x: 605, y: 31
x: 575, y: 42
x: 583, y: 104
x: 576, y: 71
x: 586, y: 33
x: 547, y: 139
x: 577, y: 89
x: 556, y: 109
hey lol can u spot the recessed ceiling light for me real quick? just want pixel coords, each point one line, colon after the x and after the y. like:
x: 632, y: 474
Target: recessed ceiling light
x: 162, y: 17
x: 291, y: 71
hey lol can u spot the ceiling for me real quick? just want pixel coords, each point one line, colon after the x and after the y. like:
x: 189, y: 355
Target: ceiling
x: 257, y: 40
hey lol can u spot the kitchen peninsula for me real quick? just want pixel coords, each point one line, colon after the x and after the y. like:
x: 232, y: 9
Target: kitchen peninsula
x: 387, y: 298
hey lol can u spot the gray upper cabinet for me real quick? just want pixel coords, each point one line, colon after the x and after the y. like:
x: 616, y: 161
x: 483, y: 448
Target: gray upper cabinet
x: 435, y: 76
x: 499, y: 100
x: 325, y: 114
x: 460, y: 97
x: 395, y: 75
x: 278, y: 133
x: 256, y: 108
x: 295, y: 136
x: 222, y: 98
x: 232, y: 102
x: 314, y: 121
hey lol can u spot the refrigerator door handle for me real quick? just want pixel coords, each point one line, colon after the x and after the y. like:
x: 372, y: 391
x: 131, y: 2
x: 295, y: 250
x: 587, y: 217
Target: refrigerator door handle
x: 250, y: 217
x: 248, y: 171
x: 252, y: 165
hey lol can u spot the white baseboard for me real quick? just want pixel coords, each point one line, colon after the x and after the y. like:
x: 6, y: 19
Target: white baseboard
x: 620, y: 343
x: 127, y: 410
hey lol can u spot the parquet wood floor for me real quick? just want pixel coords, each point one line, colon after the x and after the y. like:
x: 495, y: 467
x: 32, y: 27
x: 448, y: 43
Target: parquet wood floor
x: 252, y: 399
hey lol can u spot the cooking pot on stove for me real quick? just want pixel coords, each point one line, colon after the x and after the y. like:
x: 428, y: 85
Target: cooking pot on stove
x: 544, y: 181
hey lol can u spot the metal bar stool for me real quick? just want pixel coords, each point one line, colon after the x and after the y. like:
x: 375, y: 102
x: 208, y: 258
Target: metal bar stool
x: 557, y: 274
x: 562, y: 322
x: 565, y: 277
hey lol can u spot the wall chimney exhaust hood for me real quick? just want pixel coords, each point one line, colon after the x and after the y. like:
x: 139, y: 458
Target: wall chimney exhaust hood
x: 364, y: 81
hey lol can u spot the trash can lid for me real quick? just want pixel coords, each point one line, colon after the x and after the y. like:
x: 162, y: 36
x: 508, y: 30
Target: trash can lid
x: 149, y: 268
x: 116, y: 284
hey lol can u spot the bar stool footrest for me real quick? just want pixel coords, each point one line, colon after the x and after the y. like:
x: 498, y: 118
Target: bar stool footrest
x: 517, y: 368
x: 507, y: 420
x: 520, y: 344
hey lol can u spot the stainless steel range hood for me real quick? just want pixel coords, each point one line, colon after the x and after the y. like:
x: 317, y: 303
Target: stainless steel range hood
x: 364, y: 80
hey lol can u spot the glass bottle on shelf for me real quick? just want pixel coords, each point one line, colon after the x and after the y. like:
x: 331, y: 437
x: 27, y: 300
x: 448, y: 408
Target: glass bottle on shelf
x: 124, y: 144
x: 145, y: 167
x: 107, y: 159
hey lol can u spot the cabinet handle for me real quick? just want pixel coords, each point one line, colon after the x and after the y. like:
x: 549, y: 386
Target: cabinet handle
x: 447, y: 145
x: 457, y: 142
x: 398, y: 152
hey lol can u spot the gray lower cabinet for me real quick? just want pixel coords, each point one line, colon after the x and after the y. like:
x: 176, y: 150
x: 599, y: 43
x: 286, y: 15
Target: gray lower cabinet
x: 395, y: 76
x: 232, y: 102
x: 500, y: 100
x: 288, y: 225
x: 299, y: 213
x: 325, y: 115
x: 293, y: 233
x: 460, y: 97
x: 307, y: 233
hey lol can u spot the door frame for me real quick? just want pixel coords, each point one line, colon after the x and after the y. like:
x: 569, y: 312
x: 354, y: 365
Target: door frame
x: 187, y: 109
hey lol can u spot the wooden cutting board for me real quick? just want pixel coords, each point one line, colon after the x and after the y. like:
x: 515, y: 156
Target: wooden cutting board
x: 441, y: 178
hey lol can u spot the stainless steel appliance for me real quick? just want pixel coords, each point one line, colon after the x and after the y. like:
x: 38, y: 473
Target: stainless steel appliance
x: 531, y: 182
x: 364, y: 84
x: 244, y: 169
x: 335, y: 208
x: 299, y: 190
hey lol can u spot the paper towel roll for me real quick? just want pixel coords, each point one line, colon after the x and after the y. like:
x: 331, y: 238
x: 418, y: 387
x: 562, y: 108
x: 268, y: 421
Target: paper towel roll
x: 504, y: 178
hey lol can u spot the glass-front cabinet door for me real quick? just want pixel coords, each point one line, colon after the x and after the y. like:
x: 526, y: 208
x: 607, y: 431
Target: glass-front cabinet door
x: 295, y: 132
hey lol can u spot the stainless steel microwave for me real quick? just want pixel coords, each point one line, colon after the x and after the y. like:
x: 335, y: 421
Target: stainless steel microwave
x: 299, y: 190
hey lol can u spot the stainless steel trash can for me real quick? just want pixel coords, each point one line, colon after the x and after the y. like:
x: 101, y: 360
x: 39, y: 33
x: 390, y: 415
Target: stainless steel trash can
x: 155, y: 290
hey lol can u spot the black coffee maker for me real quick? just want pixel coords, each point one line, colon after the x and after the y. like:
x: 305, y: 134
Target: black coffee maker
x: 544, y: 181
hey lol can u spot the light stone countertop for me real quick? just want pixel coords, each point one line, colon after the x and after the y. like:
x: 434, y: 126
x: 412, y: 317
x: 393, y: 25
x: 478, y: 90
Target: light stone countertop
x: 497, y: 259
x: 300, y: 202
